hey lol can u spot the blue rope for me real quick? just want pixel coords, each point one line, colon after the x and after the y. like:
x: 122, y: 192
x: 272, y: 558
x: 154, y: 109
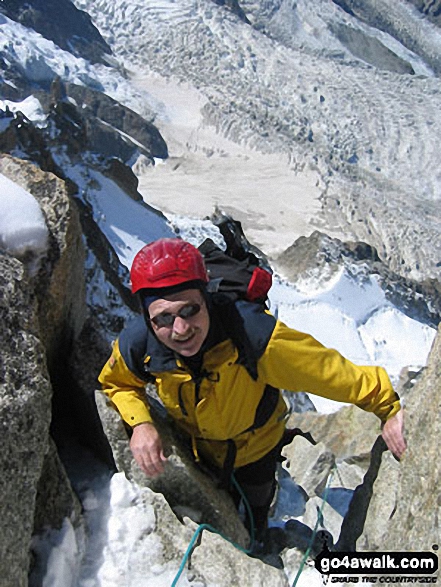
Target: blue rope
x: 314, y: 532
x: 189, y: 550
x: 210, y: 528
x: 247, y: 507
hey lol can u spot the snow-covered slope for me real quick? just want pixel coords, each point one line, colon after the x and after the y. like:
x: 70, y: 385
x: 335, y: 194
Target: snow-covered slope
x: 29, y: 57
x: 370, y: 134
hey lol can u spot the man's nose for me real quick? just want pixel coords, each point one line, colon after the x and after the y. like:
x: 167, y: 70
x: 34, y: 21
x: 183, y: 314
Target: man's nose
x: 180, y: 325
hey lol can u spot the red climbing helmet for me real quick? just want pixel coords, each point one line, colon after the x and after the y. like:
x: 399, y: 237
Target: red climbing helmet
x: 165, y: 263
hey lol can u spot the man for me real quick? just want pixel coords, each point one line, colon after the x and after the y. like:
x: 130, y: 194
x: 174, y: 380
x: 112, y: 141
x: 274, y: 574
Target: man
x: 218, y: 368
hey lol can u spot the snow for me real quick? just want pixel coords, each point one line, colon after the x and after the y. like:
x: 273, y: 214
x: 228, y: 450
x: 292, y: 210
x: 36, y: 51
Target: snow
x: 62, y: 552
x: 43, y: 61
x: 30, y: 107
x: 353, y: 316
x: 127, y: 225
x: 409, y: 345
x: 23, y: 229
x: 258, y: 189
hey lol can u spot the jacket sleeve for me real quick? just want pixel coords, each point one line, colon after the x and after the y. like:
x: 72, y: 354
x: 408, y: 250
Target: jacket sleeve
x: 124, y: 389
x: 295, y: 361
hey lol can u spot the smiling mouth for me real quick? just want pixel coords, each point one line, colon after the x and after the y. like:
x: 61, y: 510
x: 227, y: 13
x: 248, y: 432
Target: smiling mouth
x: 183, y: 340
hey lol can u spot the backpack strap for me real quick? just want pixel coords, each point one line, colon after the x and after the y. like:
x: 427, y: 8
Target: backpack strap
x: 248, y: 326
x: 228, y: 466
x: 265, y: 409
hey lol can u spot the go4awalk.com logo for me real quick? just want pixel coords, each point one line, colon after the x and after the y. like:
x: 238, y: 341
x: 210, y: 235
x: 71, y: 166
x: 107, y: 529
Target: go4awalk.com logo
x: 380, y: 563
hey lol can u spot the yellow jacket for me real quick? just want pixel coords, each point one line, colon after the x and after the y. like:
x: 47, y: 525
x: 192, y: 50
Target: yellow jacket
x: 222, y: 404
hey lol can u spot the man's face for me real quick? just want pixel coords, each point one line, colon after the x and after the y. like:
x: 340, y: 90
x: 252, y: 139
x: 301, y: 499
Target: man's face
x: 181, y: 321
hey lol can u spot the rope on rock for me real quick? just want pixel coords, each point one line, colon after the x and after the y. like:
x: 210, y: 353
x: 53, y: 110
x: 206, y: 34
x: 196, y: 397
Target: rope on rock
x: 210, y: 528
x: 314, y: 532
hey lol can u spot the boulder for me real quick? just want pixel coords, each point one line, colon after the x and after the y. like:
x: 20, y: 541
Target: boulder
x: 327, y: 517
x: 187, y: 489
x: 308, y: 465
x: 350, y: 432
x: 219, y: 563
x: 348, y: 475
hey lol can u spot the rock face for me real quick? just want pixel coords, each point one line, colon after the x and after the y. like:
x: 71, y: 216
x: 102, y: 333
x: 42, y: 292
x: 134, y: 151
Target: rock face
x: 381, y: 507
x: 392, y: 19
x: 397, y: 508
x: 40, y: 316
x: 19, y: 135
x: 88, y: 121
x: 410, y: 492
x: 60, y: 287
x: 25, y: 395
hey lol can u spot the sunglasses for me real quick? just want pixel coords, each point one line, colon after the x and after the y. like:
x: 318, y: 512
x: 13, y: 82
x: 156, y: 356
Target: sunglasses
x: 166, y: 319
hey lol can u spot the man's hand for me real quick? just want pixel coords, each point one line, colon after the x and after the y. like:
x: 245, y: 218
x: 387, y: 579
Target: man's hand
x: 393, y: 434
x: 146, y: 447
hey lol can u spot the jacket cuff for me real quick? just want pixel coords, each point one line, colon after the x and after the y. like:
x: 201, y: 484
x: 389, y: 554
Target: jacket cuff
x: 131, y: 408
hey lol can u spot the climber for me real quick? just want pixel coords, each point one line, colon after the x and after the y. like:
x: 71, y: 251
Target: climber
x: 218, y: 367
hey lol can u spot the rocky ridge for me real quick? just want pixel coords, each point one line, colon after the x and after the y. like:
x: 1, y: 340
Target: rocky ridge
x: 414, y: 502
x: 320, y: 254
